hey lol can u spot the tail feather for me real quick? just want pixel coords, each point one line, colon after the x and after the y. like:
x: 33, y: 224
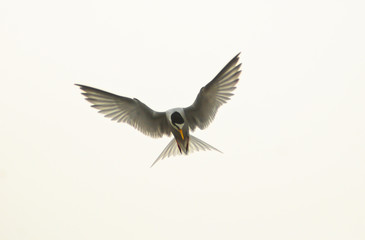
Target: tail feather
x: 198, y: 145
x: 195, y: 145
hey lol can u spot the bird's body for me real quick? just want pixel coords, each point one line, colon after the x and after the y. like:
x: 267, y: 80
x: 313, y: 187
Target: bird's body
x: 176, y: 121
x: 182, y: 138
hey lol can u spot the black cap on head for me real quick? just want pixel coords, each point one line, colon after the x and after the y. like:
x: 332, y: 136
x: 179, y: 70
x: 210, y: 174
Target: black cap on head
x: 177, y: 118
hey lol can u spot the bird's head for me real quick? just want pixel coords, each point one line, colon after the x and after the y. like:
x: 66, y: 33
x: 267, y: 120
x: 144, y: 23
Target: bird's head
x: 178, y: 122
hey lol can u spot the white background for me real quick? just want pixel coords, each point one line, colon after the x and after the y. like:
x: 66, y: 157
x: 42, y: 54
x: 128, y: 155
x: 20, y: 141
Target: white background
x: 293, y: 135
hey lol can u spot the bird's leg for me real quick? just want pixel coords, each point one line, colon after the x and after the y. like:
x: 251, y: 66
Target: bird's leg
x: 178, y: 146
x: 187, y: 145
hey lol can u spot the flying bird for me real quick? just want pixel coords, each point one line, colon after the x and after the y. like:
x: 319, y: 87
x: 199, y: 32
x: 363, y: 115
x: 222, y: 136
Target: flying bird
x: 176, y: 121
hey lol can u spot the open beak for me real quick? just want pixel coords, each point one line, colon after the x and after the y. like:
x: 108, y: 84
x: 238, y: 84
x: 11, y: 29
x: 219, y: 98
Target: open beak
x: 182, y: 135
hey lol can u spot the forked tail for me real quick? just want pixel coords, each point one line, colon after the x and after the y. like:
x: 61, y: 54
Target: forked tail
x: 195, y: 145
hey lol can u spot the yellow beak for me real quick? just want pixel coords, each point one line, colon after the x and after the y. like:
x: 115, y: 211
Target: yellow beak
x: 182, y: 135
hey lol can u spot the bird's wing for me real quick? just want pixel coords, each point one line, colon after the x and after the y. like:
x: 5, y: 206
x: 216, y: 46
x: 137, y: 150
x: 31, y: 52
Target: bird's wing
x: 131, y: 111
x: 213, y: 95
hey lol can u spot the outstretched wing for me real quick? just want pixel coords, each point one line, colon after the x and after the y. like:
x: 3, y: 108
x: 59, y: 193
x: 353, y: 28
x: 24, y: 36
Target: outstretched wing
x: 213, y: 95
x: 131, y: 111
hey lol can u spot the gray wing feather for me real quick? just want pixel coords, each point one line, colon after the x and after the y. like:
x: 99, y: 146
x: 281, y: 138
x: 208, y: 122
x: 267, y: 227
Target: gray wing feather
x: 217, y: 92
x: 131, y: 111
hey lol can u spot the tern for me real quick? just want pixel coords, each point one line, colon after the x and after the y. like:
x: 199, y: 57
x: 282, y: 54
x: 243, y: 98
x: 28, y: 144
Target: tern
x: 176, y: 121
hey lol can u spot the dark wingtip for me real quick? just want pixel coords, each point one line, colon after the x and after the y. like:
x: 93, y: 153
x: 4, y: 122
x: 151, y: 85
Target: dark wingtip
x: 79, y: 85
x: 83, y: 87
x: 235, y: 59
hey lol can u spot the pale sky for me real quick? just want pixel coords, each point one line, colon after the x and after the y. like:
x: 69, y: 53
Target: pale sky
x: 293, y: 136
